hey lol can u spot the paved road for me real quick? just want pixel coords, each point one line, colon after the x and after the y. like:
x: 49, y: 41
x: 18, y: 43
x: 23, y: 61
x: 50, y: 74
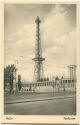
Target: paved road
x: 25, y: 96
x: 66, y: 106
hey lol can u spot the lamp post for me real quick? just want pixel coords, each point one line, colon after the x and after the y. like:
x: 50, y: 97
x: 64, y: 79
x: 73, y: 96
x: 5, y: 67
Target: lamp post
x: 14, y: 74
x: 53, y: 85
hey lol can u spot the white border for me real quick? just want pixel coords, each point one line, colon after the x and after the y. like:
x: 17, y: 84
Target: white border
x: 36, y: 118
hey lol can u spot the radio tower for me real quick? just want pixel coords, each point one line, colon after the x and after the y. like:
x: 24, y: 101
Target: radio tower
x: 38, y: 70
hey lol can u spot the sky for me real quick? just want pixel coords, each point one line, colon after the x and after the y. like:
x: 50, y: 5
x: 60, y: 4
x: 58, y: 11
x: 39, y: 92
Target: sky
x: 58, y: 37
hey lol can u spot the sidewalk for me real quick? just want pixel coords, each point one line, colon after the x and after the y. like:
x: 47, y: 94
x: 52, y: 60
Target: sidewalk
x: 40, y: 98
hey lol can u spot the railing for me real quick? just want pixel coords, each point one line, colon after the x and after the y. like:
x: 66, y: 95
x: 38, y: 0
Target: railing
x: 57, y: 83
x: 61, y: 83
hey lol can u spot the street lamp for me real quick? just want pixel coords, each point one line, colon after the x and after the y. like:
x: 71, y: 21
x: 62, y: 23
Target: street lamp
x: 53, y: 85
x: 14, y: 74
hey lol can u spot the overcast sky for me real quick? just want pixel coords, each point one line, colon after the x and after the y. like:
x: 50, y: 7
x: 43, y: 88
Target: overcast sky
x: 58, y: 37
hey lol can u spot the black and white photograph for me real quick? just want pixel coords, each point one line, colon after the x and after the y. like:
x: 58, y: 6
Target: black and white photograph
x: 40, y: 66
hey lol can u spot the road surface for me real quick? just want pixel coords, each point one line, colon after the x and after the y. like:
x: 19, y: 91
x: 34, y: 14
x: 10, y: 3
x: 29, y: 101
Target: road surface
x: 65, y: 106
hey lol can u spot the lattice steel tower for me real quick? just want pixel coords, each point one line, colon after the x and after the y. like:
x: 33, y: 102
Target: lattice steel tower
x: 38, y: 70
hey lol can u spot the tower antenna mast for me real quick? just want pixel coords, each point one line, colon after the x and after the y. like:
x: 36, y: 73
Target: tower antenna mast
x: 38, y: 70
